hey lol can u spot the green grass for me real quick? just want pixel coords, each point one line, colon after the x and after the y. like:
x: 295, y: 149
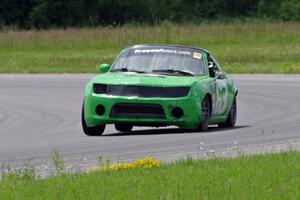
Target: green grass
x: 253, y: 47
x: 273, y: 176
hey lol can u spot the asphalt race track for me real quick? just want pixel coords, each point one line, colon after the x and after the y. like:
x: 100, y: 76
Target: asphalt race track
x: 41, y: 112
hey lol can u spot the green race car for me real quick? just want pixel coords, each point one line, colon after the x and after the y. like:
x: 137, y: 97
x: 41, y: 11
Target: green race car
x: 160, y: 85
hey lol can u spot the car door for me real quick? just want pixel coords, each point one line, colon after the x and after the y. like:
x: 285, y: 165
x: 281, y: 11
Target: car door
x: 219, y: 88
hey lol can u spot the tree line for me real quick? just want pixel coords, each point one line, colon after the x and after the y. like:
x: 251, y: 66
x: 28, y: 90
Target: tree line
x: 44, y: 14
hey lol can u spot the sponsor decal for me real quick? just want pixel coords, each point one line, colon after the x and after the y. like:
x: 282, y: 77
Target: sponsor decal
x: 220, y: 97
x: 161, y: 50
x: 197, y: 55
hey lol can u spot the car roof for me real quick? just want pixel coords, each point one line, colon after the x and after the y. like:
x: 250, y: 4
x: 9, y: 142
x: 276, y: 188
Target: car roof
x: 165, y: 45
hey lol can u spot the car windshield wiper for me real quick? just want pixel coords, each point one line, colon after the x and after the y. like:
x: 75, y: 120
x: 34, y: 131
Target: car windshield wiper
x: 124, y: 69
x: 184, y: 72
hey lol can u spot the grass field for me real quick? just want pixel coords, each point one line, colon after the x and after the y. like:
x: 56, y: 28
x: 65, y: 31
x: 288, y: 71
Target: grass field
x: 253, y: 47
x: 273, y: 176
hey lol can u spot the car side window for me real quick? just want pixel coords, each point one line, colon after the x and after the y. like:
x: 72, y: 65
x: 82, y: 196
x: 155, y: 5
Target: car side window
x: 212, y: 66
x: 218, y: 65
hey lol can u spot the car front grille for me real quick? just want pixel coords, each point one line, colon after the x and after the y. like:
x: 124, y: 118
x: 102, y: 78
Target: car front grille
x: 141, y: 91
x: 137, y: 110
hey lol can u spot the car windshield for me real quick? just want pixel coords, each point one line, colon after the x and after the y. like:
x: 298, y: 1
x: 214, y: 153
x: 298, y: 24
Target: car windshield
x: 162, y: 60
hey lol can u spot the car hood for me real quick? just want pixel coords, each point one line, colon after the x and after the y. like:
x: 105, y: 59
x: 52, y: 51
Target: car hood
x: 132, y: 78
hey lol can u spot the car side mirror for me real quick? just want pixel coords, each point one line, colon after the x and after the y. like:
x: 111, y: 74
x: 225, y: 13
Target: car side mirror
x: 219, y: 75
x: 103, y: 68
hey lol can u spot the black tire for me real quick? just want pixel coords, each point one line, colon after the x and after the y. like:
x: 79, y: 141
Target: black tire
x: 91, y: 131
x: 206, y: 107
x: 231, y: 119
x: 123, y: 127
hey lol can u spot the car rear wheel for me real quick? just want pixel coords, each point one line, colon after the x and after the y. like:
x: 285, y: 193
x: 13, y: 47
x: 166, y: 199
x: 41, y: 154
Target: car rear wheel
x: 231, y: 119
x: 93, y: 130
x: 203, y: 126
x: 123, y: 127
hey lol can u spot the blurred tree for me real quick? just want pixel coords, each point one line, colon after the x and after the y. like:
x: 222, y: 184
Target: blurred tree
x: 65, y: 12
x: 290, y: 10
x: 91, y: 11
x: 242, y: 7
x: 269, y: 9
x: 76, y: 13
x: 198, y: 10
x: 38, y: 18
x: 15, y: 12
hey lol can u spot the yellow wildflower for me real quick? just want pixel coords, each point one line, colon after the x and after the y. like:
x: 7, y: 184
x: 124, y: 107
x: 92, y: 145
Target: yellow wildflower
x: 147, y: 162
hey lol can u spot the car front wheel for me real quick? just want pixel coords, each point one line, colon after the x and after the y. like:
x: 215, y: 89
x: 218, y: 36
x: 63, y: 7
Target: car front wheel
x: 205, y: 106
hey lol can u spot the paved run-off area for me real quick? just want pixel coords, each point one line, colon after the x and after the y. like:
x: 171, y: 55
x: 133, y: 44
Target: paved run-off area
x: 39, y: 113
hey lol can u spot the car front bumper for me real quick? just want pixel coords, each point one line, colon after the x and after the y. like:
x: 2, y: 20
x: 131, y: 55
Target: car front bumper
x: 190, y: 105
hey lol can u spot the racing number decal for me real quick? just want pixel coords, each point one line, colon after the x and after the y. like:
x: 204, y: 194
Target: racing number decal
x: 219, y: 97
